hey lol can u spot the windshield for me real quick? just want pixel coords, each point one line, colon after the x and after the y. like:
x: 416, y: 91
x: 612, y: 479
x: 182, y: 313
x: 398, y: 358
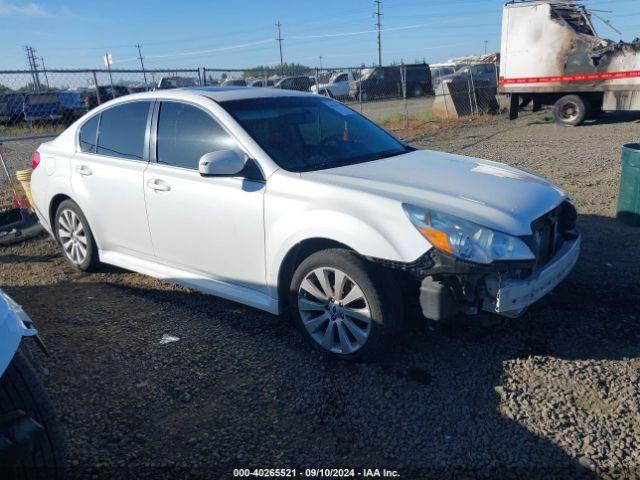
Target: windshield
x: 302, y: 134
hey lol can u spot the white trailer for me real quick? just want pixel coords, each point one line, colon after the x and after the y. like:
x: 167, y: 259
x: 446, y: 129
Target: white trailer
x: 552, y: 55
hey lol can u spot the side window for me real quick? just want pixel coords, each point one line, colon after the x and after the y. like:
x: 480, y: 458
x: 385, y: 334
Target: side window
x: 341, y: 78
x: 122, y: 130
x: 88, y: 134
x: 185, y: 133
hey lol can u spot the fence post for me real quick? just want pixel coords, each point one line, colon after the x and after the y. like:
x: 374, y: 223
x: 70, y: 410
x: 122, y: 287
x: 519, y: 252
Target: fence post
x: 202, y: 78
x: 95, y: 84
x: 473, y: 90
x: 403, y: 77
x: 360, y: 89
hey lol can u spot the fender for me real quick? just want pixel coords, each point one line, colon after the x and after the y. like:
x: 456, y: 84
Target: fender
x: 14, y: 324
x: 343, y: 228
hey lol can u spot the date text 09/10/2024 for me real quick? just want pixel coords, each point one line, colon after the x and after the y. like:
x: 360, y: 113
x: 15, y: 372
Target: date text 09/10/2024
x: 325, y: 473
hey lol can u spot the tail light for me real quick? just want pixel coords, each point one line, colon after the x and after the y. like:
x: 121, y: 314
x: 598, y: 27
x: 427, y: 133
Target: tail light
x: 87, y: 102
x: 35, y: 160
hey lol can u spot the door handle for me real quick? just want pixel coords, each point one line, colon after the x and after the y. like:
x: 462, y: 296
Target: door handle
x: 158, y: 185
x: 83, y: 170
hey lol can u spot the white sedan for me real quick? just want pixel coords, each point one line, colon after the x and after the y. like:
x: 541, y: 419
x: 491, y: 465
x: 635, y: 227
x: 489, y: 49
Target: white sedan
x: 283, y: 200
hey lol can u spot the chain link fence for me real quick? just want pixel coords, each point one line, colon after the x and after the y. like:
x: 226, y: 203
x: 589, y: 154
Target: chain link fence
x: 37, y: 105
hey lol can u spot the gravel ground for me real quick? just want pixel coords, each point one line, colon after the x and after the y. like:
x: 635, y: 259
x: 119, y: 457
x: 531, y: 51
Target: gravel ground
x: 553, y: 394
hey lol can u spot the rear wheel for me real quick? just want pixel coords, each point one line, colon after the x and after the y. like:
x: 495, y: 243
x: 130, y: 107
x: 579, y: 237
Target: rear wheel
x: 74, y: 235
x: 571, y: 110
x: 23, y: 396
x: 417, y: 91
x: 342, y: 307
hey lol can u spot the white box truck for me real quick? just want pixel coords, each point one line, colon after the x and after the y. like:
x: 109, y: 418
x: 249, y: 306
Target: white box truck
x: 552, y: 55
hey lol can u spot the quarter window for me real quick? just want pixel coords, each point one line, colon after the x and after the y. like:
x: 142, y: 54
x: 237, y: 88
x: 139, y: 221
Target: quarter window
x: 88, y: 134
x: 186, y: 133
x: 122, y: 130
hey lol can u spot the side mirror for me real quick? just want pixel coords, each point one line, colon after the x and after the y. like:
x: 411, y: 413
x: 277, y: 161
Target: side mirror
x: 224, y: 163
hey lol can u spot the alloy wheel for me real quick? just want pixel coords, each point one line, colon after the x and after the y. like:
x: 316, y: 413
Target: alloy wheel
x: 72, y: 236
x: 334, y: 310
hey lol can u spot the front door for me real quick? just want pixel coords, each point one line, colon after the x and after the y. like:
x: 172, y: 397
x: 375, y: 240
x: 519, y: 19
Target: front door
x: 212, y: 226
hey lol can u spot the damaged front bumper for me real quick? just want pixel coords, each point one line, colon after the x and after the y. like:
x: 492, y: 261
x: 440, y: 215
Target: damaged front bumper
x: 449, y: 286
x: 511, y: 297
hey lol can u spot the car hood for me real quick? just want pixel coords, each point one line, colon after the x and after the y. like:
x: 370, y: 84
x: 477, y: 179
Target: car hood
x: 488, y: 193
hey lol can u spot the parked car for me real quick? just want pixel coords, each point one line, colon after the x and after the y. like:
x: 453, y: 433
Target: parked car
x: 72, y: 105
x: 13, y: 106
x: 301, y: 83
x: 40, y: 107
x: 166, y: 83
x: 441, y: 73
x: 5, y: 110
x: 234, y: 82
x: 313, y: 209
x: 138, y: 88
x: 338, y: 85
x: 479, y: 72
x: 106, y: 93
x: 31, y: 441
x: 386, y: 82
x: 261, y: 83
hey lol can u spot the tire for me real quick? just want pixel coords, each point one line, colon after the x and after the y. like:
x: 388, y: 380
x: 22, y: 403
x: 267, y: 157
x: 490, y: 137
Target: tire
x: 417, y: 91
x: 571, y: 110
x: 321, y: 318
x: 21, y: 389
x: 68, y: 211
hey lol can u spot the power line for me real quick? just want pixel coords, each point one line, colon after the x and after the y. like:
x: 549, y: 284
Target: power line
x: 378, y: 29
x: 279, y: 40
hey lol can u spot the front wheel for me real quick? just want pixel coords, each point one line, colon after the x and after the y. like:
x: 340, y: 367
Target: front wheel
x: 343, y: 306
x: 571, y: 110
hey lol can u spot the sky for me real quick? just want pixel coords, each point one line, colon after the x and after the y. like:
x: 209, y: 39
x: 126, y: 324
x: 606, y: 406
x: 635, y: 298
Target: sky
x: 241, y: 33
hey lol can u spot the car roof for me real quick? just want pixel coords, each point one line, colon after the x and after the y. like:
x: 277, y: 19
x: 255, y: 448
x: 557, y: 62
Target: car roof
x: 223, y: 94
x: 217, y: 94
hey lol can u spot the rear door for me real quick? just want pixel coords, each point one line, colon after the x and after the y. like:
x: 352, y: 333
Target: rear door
x: 107, y: 173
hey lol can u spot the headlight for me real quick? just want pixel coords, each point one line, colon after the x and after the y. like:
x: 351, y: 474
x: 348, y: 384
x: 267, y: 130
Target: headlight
x: 466, y: 240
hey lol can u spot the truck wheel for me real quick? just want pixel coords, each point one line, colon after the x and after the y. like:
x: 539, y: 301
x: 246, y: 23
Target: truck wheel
x: 343, y: 307
x: 571, y: 110
x: 417, y: 91
x: 21, y: 390
x: 74, y: 235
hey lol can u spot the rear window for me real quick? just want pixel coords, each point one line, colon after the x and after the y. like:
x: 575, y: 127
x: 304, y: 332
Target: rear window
x: 122, y: 130
x: 88, y: 134
x: 41, y: 99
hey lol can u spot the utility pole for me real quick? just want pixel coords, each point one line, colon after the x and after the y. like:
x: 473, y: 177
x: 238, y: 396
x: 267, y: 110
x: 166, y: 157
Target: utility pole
x: 485, y: 46
x: 144, y: 74
x: 33, y: 66
x: 378, y: 28
x: 44, y: 70
x: 320, y: 62
x: 279, y: 40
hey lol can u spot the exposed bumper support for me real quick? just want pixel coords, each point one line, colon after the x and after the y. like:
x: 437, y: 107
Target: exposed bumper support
x: 514, y: 296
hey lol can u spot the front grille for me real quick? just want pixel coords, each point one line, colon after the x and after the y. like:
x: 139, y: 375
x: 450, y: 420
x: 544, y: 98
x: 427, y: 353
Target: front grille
x: 551, y: 230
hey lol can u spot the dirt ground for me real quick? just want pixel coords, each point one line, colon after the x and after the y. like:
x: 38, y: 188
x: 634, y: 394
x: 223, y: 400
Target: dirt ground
x: 554, y: 394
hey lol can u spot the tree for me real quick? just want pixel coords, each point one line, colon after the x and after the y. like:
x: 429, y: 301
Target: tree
x: 4, y: 89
